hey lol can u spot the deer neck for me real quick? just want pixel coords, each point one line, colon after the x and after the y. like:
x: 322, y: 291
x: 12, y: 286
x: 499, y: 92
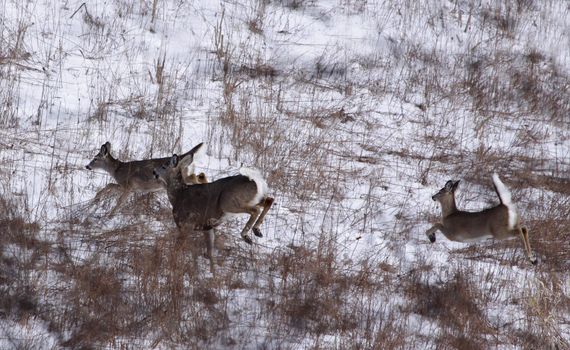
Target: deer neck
x: 112, y: 165
x: 448, y: 206
x: 173, y: 186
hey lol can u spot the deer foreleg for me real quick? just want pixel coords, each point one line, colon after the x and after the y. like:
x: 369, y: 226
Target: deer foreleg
x: 105, y: 190
x: 431, y: 232
x: 120, y: 202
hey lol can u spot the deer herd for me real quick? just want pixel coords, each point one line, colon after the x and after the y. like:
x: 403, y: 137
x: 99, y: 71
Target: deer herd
x: 199, y: 205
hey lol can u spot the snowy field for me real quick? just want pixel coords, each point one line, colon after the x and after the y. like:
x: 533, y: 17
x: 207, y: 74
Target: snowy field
x: 356, y: 112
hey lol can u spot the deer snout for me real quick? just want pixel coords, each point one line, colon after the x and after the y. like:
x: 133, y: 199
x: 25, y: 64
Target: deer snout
x: 155, y: 173
x: 433, y: 198
x: 88, y: 167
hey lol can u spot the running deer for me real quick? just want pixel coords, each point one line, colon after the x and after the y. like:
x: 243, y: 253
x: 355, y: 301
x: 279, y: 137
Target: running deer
x: 499, y: 222
x: 202, y: 207
x: 134, y: 176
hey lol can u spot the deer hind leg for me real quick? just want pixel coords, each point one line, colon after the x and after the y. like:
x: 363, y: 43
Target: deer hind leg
x: 254, y: 213
x: 209, y: 238
x: 266, y: 204
x: 431, y: 232
x: 524, y: 236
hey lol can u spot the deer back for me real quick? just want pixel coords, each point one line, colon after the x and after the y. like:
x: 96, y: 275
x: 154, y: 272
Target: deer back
x: 138, y: 175
x: 203, y: 205
x: 474, y: 226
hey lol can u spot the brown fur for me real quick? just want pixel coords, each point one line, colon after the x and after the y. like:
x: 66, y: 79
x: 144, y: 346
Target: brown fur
x: 202, y: 206
x: 133, y: 176
x: 463, y: 226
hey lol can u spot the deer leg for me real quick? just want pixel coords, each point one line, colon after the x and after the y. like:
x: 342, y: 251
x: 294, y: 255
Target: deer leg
x: 524, y: 235
x: 105, y: 190
x: 120, y: 202
x: 518, y: 231
x: 209, y: 237
x: 267, y: 202
x: 431, y: 232
x: 254, y: 213
x: 188, y: 239
x: 183, y: 240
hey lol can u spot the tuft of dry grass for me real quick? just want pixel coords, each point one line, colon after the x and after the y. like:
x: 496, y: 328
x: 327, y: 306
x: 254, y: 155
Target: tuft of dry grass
x: 20, y: 255
x: 454, y: 305
x: 313, y: 295
x: 347, y: 141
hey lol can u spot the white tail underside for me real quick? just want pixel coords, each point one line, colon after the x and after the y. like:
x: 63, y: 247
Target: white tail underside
x: 506, y: 199
x: 262, y: 188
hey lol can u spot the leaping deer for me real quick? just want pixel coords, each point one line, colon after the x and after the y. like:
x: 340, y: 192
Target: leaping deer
x: 134, y: 176
x: 499, y: 222
x: 203, y: 206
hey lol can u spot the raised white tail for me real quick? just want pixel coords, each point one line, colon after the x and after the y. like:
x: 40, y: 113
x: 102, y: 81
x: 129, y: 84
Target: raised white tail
x: 262, y: 189
x: 506, y: 199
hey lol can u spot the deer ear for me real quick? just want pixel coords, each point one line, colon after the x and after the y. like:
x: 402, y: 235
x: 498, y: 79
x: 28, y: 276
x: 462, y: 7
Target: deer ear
x: 449, y: 185
x: 106, y: 148
x: 173, y: 161
x: 197, y: 149
x: 455, y: 185
x: 187, y: 159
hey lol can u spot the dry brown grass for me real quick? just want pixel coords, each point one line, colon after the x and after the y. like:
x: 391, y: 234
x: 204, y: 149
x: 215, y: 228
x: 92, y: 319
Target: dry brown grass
x: 313, y: 294
x: 345, y: 166
x: 455, y: 305
x: 20, y: 256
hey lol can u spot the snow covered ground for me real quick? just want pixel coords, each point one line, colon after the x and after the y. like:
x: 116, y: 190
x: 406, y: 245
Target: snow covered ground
x: 356, y: 112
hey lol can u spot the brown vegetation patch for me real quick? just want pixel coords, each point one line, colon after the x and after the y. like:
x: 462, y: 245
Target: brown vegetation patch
x: 314, y: 294
x: 455, y: 305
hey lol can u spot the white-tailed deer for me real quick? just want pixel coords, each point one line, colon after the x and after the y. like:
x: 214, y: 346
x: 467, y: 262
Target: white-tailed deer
x: 134, y: 176
x: 499, y: 222
x: 201, y: 207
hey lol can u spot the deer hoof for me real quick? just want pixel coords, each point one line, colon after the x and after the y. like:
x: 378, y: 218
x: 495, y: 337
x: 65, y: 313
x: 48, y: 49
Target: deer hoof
x: 247, y: 239
x: 257, y: 232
